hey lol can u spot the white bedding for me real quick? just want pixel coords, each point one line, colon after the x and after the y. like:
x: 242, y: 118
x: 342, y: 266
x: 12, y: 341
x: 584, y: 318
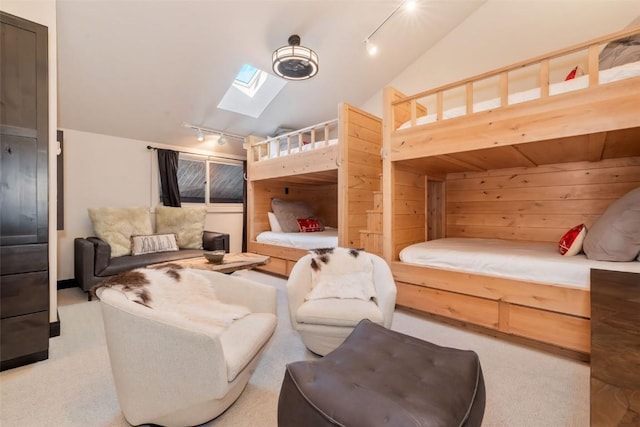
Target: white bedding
x: 306, y: 147
x: 536, y: 262
x: 612, y: 74
x: 321, y: 239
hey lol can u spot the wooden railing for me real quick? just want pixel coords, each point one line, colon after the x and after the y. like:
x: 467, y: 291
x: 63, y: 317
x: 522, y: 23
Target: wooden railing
x: 502, y: 74
x: 319, y: 136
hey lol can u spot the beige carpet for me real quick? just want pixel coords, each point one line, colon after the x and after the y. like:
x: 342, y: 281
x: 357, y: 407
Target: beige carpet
x: 525, y: 388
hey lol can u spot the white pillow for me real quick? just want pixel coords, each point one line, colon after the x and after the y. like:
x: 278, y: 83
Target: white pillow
x: 150, y: 244
x: 273, y: 222
x: 341, y: 273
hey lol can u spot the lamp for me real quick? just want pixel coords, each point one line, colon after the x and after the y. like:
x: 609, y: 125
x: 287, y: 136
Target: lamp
x: 295, y: 62
x: 409, y: 5
x: 223, y: 136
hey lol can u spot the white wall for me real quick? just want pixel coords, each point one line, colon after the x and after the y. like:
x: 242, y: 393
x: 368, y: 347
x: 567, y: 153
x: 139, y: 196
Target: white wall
x: 43, y: 12
x: 107, y: 171
x: 502, y: 32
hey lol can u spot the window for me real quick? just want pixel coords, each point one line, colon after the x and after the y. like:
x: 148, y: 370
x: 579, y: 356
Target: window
x: 225, y: 178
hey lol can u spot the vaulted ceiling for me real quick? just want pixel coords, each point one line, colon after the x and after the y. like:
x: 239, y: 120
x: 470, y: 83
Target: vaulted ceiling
x: 139, y: 69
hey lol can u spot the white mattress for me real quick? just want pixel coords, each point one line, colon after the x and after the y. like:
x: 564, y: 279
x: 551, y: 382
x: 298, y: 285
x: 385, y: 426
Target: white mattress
x: 320, y: 239
x: 536, y: 262
x: 612, y: 74
x: 305, y: 147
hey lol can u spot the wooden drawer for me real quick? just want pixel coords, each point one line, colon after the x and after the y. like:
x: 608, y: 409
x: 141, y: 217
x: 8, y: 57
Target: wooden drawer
x: 24, y: 258
x: 554, y: 328
x: 275, y: 265
x: 24, y: 335
x: 479, y: 311
x: 24, y: 293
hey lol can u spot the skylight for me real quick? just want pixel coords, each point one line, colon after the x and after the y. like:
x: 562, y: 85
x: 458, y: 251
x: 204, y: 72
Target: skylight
x: 249, y: 80
x: 251, y: 91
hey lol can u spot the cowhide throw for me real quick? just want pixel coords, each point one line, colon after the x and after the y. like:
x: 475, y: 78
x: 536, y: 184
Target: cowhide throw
x: 178, y: 293
x: 341, y: 273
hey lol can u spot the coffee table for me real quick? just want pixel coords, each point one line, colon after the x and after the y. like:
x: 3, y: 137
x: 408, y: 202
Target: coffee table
x: 229, y: 264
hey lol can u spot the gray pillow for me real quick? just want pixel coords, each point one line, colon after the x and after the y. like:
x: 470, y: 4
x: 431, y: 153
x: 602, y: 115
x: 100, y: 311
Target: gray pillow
x: 288, y: 212
x: 615, y: 236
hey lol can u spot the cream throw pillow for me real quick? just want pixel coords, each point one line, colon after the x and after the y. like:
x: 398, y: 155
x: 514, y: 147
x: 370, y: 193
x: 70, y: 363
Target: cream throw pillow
x: 186, y: 223
x: 116, y: 226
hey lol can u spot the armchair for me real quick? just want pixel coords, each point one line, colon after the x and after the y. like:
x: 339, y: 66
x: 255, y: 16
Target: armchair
x: 323, y: 324
x: 171, y: 373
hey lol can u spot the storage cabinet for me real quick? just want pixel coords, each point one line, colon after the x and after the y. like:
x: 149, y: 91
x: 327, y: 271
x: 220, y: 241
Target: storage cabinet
x: 615, y: 348
x: 24, y: 229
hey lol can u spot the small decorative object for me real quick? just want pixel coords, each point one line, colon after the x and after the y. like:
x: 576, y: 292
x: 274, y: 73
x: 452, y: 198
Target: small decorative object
x: 214, y: 257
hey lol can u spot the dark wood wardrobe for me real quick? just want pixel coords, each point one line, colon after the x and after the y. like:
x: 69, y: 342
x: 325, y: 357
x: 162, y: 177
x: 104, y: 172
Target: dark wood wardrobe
x: 24, y: 228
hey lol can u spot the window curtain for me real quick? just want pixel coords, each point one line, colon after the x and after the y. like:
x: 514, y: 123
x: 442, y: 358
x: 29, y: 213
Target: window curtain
x: 168, y: 165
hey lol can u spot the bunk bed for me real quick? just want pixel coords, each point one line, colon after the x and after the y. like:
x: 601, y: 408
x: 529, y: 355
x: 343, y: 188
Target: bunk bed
x: 334, y: 167
x: 518, y: 155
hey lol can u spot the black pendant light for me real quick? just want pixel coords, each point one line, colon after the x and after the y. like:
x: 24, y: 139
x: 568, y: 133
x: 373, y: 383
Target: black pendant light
x: 295, y: 62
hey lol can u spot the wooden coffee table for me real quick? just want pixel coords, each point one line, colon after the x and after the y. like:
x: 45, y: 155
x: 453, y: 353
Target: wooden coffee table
x: 229, y: 264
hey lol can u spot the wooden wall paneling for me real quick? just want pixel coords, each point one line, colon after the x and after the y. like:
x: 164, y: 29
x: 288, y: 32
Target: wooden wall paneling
x: 537, y: 204
x: 408, y: 208
x: 436, y: 217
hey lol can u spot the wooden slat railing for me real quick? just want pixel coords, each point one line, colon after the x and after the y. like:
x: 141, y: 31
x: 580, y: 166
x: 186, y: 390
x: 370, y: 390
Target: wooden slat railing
x: 592, y: 47
x: 261, y: 150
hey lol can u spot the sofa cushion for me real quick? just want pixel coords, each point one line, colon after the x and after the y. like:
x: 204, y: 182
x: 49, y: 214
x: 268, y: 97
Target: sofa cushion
x: 141, y: 245
x: 125, y: 263
x: 116, y: 226
x: 186, y: 223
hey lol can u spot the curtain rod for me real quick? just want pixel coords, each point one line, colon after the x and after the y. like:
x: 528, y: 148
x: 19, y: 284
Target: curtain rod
x: 149, y: 147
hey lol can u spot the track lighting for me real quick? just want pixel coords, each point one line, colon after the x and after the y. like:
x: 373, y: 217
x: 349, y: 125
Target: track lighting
x: 409, y: 5
x: 223, y: 137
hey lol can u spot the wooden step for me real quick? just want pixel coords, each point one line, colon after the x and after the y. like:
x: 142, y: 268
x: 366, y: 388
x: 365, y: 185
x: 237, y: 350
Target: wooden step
x: 371, y: 241
x: 374, y: 221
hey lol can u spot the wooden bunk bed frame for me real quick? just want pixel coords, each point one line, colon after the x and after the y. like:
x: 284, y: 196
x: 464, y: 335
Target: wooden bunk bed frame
x: 337, y: 181
x: 528, y: 171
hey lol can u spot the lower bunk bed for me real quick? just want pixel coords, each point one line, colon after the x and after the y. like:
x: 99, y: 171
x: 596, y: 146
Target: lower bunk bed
x: 524, y: 289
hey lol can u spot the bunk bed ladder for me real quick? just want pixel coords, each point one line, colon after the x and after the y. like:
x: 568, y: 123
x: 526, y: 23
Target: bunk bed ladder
x: 371, y: 238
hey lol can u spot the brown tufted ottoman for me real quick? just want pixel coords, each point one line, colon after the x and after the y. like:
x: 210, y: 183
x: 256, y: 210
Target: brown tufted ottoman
x: 379, y: 377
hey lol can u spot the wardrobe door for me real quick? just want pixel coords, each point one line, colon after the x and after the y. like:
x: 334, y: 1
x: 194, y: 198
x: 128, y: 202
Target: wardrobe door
x: 24, y: 129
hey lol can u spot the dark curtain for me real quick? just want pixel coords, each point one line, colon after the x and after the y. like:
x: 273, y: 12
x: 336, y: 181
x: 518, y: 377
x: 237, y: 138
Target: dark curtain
x: 168, y: 163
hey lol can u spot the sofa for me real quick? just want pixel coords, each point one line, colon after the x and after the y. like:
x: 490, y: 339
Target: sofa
x: 93, y: 262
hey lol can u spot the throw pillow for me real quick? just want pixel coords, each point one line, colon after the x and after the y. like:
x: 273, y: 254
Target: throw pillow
x: 341, y: 273
x: 116, y: 226
x: 288, y: 212
x: 615, y: 236
x: 571, y: 242
x: 273, y: 222
x: 310, y: 225
x: 572, y: 74
x: 186, y: 223
x: 621, y: 51
x: 153, y: 243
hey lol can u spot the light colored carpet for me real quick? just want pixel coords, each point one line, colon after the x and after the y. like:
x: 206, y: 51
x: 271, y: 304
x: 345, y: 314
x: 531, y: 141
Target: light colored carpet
x: 74, y: 387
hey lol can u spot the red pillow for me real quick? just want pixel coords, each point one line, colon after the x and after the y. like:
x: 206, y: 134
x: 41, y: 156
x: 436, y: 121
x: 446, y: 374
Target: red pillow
x: 571, y: 242
x: 310, y: 225
x: 572, y: 74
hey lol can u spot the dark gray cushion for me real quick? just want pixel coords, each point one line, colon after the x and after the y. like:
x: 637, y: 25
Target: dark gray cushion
x: 615, y: 236
x: 287, y: 212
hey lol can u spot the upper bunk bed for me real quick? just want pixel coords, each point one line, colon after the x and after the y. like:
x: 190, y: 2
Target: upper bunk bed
x: 334, y: 167
x: 516, y: 154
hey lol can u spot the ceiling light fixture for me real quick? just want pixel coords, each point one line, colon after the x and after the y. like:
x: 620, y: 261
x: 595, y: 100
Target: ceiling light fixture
x: 223, y: 137
x: 409, y: 5
x: 295, y: 62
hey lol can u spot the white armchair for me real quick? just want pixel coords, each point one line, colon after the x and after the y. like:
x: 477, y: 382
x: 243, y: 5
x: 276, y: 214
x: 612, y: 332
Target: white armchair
x: 170, y: 374
x: 323, y: 324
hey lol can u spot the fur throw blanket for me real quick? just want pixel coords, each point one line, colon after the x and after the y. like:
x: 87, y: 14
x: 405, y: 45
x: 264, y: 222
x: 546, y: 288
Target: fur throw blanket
x: 341, y: 273
x: 176, y: 294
